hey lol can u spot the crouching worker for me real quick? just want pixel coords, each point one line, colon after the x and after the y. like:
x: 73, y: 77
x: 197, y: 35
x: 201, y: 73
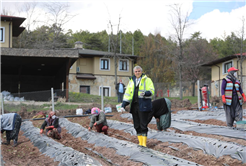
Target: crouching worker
x: 161, y: 110
x: 11, y: 123
x: 51, y: 125
x: 98, y: 119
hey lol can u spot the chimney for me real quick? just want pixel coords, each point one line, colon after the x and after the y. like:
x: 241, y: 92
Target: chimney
x: 78, y: 44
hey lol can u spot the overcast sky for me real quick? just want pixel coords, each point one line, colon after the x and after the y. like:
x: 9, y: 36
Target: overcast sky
x: 211, y: 18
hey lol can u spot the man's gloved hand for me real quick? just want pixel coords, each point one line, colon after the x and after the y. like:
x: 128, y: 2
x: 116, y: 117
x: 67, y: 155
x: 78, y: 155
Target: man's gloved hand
x: 142, y: 93
x: 244, y: 98
x: 41, y: 131
x: 223, y: 99
x: 89, y: 128
x: 122, y: 109
x: 95, y: 123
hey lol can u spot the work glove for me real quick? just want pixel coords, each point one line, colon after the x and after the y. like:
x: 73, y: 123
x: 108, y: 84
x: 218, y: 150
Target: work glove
x: 89, y: 128
x: 41, y: 131
x: 142, y: 94
x: 124, y: 104
x: 122, y: 109
x: 223, y: 99
x: 95, y: 123
x: 244, y: 98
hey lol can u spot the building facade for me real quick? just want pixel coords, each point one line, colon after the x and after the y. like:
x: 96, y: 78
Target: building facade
x: 96, y: 69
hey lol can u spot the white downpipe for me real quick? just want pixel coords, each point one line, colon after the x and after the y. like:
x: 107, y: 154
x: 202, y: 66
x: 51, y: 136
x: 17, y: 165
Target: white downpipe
x: 52, y: 99
x: 198, y: 94
x: 2, y: 108
x: 102, y: 98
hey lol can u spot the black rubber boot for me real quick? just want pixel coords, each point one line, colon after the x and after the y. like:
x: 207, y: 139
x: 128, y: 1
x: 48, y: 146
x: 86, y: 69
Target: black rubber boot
x: 6, y: 143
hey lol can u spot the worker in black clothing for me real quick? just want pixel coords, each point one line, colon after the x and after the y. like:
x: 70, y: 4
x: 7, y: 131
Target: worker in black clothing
x: 161, y: 110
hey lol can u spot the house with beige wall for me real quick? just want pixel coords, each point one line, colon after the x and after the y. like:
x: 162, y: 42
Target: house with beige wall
x: 219, y: 69
x: 9, y: 28
x: 96, y: 69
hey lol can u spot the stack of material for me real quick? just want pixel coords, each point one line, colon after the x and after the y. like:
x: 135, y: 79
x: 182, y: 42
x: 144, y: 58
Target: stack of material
x: 241, y: 125
x: 39, y: 115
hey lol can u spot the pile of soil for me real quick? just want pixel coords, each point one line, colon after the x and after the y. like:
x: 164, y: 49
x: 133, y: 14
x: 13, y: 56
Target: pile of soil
x: 181, y: 103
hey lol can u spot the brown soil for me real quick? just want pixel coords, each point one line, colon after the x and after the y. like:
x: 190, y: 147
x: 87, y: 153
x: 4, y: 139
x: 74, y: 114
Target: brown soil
x: 26, y: 154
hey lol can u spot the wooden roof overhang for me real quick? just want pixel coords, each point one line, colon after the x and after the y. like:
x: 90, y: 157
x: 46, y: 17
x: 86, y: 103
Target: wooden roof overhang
x: 36, y: 61
x: 224, y: 59
x: 16, y: 21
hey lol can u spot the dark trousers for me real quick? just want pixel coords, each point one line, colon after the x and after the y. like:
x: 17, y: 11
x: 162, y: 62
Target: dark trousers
x: 120, y: 97
x: 101, y: 128
x: 233, y: 112
x: 140, y: 120
x: 13, y: 134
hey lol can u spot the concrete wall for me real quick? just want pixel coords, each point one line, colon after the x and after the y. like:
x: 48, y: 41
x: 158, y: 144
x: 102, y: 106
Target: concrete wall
x: 5, y: 25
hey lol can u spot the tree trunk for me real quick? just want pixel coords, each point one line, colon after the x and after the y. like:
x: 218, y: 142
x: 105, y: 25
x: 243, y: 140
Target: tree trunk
x: 193, y: 89
x: 180, y: 83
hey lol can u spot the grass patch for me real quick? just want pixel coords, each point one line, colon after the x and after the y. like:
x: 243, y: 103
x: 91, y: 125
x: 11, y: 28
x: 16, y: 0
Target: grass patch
x: 87, y: 98
x: 193, y: 99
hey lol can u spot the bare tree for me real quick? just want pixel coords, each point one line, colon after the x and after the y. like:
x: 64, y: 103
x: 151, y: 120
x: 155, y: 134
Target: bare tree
x: 179, y: 23
x: 242, y: 57
x: 30, y: 11
x: 197, y: 52
x: 7, y: 12
x: 114, y: 43
x: 57, y: 16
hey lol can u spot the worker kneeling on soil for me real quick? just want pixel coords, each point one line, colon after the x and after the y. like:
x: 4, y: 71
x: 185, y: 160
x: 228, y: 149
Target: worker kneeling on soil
x: 98, y: 119
x: 161, y: 110
x: 10, y: 123
x: 51, y: 124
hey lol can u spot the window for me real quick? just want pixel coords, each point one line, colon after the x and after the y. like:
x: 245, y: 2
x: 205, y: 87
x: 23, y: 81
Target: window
x: 78, y: 69
x: 226, y: 66
x: 84, y: 89
x: 106, y: 91
x: 104, y: 64
x: 2, y: 34
x: 123, y: 65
